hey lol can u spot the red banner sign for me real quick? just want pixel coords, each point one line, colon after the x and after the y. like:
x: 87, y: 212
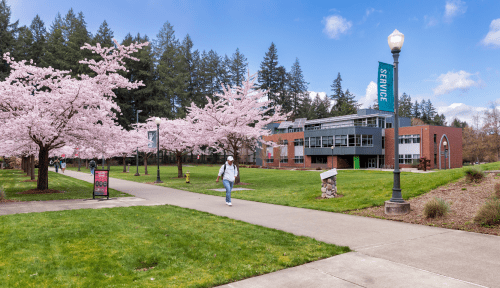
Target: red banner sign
x: 101, y: 180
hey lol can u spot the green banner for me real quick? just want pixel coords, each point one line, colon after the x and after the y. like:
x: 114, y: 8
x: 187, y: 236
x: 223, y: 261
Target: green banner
x: 385, y: 87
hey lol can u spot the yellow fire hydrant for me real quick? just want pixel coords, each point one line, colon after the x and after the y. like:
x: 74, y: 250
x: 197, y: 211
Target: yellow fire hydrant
x: 187, y: 177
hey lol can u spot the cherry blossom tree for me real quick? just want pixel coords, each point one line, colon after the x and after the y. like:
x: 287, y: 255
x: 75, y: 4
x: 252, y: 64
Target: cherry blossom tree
x: 178, y: 136
x: 238, y: 117
x: 50, y: 108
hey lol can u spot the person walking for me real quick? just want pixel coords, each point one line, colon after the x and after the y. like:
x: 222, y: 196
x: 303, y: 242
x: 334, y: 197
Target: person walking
x: 229, y: 172
x: 56, y: 164
x: 63, y: 165
x: 92, y: 166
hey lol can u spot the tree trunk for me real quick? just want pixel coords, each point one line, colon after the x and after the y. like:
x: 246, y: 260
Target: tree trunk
x: 32, y: 170
x: 28, y: 166
x: 124, y: 165
x: 108, y: 162
x: 145, y: 164
x: 86, y: 164
x: 43, y: 169
x: 236, y: 162
x: 179, y: 164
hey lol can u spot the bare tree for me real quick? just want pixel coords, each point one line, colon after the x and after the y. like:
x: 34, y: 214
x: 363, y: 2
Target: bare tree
x: 492, y: 129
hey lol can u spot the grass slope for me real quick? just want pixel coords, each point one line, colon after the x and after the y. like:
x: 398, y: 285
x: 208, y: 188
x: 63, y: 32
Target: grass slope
x: 12, y: 183
x: 360, y: 188
x: 157, y: 246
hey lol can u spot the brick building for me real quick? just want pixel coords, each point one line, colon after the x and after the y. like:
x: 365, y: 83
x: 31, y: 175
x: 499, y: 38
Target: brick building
x: 362, y: 140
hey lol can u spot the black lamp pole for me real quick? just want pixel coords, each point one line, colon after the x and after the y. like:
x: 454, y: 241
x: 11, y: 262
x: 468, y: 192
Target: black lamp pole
x: 137, y: 151
x: 396, y: 190
x: 332, y: 155
x: 158, y: 153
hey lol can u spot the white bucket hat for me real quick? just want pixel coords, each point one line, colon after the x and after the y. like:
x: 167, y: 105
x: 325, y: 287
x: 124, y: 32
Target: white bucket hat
x: 230, y: 158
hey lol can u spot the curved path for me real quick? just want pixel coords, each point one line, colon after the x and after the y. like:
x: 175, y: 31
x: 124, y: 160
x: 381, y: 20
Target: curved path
x: 387, y: 253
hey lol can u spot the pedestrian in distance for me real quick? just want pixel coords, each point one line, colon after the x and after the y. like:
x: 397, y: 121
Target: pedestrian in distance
x: 63, y: 165
x: 92, y: 166
x: 56, y: 164
x: 229, y: 172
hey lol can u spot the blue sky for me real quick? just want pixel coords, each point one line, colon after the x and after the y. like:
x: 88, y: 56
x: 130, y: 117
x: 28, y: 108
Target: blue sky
x: 451, y: 53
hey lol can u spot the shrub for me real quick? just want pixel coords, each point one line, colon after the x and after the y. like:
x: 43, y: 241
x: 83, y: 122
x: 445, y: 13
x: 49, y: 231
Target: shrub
x: 319, y: 168
x: 474, y: 174
x: 437, y: 207
x: 497, y: 190
x: 489, y: 213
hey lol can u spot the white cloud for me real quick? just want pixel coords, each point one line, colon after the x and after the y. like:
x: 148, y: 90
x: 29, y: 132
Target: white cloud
x: 370, y: 97
x: 312, y: 95
x: 453, y: 8
x: 430, y: 21
x: 336, y: 25
x: 493, y: 36
x: 453, y: 81
x: 460, y: 111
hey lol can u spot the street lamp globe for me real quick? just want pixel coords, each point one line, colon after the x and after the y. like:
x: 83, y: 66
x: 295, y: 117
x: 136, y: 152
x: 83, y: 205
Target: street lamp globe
x: 445, y: 143
x: 157, y: 121
x: 396, y: 40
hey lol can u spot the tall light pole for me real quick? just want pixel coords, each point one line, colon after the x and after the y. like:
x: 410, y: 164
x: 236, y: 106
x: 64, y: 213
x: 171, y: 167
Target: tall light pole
x: 445, y: 152
x: 396, y: 205
x: 158, y: 121
x: 332, y: 155
x: 137, y: 151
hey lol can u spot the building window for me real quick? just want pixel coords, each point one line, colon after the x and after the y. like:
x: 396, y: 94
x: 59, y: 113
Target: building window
x: 367, y: 141
x: 371, y: 122
x: 435, y: 138
x: 409, y: 139
x: 359, y: 122
x: 299, y: 159
x: 307, y: 142
x: 319, y: 159
x: 298, y: 142
x: 383, y: 142
x: 284, y: 160
x: 269, y: 160
x: 315, y: 142
x: 381, y: 122
x: 341, y: 141
x: 408, y: 158
x: 290, y: 130
x: 388, y: 125
x: 352, y: 141
x: 327, y: 141
x: 435, y: 158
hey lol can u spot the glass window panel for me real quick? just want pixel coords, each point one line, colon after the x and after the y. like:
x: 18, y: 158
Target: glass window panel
x: 358, y: 140
x: 352, y: 141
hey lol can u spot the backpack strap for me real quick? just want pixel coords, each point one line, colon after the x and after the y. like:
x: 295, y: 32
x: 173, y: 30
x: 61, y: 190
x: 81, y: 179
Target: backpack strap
x: 224, y: 171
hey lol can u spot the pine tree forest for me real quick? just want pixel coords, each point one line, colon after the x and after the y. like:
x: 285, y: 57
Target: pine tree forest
x: 175, y: 74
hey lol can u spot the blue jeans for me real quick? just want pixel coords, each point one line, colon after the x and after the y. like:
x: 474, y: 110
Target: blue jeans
x: 229, y: 186
x: 57, y: 166
x: 92, y: 170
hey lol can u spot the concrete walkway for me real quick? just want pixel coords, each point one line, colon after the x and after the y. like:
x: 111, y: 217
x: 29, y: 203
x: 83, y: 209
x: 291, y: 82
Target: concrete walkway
x: 387, y: 253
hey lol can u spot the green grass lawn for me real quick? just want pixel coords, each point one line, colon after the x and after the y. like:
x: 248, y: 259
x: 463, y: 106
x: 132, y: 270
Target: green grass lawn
x: 12, y: 183
x: 360, y: 188
x: 155, y: 246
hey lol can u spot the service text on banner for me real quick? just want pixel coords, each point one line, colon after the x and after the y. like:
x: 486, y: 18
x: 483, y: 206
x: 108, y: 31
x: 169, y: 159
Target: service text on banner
x: 385, y: 87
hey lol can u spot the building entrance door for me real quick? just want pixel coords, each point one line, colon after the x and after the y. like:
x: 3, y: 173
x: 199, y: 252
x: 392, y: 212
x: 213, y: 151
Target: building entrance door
x: 372, y: 162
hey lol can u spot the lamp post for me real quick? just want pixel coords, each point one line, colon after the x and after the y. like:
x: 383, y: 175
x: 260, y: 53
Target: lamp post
x: 158, y: 121
x: 332, y: 155
x: 137, y: 151
x: 396, y: 206
x: 445, y: 152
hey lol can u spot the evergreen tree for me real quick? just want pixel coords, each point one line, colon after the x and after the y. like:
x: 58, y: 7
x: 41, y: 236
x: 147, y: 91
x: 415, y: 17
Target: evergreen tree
x: 430, y: 110
x: 405, y: 106
x: 298, y: 87
x: 416, y: 110
x: 39, y: 32
x: 269, y: 75
x: 306, y: 109
x: 104, y: 35
x: 77, y: 35
x: 55, y: 50
x: 130, y: 101
x: 225, y: 72
x: 168, y: 59
x: 210, y: 65
x: 458, y: 124
x: 8, y: 32
x: 23, y: 45
x: 238, y: 68
x: 320, y: 107
x: 282, y: 88
x: 344, y: 101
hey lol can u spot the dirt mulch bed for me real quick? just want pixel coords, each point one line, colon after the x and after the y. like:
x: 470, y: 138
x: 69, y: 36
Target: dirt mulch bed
x: 29, y: 180
x: 465, y: 200
x: 241, y: 183
x: 37, y: 191
x: 3, y: 200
